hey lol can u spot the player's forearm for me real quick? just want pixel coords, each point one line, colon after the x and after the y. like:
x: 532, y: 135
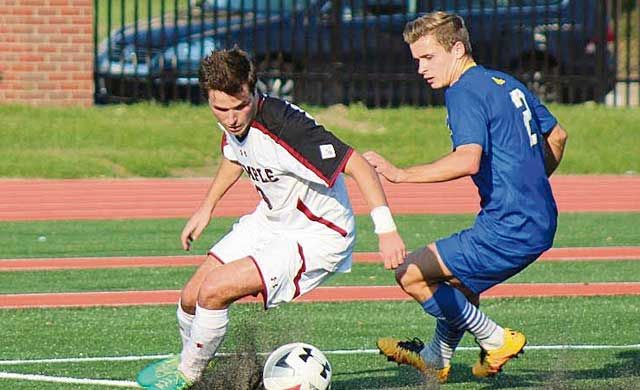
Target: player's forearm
x: 371, y: 188
x: 228, y: 173
x: 463, y: 162
x: 367, y: 180
x: 555, y: 144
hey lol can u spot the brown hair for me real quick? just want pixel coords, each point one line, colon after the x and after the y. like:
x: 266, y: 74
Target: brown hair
x: 445, y: 27
x: 228, y: 71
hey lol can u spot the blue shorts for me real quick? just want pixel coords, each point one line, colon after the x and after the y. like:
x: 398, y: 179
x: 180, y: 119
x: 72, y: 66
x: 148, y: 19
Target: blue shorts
x: 478, y: 263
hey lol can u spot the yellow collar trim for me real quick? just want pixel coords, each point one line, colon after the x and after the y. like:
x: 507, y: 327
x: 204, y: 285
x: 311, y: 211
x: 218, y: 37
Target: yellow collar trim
x: 468, y: 66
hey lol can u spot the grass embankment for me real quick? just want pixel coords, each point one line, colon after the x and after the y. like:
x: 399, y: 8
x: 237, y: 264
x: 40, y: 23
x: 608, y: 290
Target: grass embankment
x: 147, y: 140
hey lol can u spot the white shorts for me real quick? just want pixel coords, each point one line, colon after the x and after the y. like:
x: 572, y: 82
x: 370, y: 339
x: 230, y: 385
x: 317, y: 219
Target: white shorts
x: 291, y: 263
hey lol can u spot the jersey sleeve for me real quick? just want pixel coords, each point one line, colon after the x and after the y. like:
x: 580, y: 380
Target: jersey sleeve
x: 312, y: 152
x: 467, y: 118
x: 545, y: 120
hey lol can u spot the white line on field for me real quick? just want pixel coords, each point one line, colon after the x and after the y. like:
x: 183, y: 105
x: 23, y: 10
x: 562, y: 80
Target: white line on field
x: 63, y: 379
x: 334, y: 352
x: 131, y: 384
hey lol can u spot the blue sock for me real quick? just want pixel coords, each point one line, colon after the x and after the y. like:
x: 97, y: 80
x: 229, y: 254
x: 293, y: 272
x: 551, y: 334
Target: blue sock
x: 459, y: 312
x: 430, y: 306
x: 445, y: 338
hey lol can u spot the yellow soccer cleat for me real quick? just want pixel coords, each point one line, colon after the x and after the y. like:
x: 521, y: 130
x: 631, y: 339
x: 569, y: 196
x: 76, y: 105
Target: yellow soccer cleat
x: 408, y: 352
x: 491, y: 362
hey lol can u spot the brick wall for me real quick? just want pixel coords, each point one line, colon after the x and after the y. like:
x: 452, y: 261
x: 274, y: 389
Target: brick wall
x: 46, y: 52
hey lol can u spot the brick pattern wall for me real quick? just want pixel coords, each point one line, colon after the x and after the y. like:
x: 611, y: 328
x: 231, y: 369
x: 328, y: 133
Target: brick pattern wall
x: 46, y: 52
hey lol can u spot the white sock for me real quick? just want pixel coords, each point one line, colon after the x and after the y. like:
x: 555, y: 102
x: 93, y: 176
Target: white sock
x: 494, y: 340
x: 440, y: 350
x: 489, y: 334
x: 185, y: 320
x: 207, y: 331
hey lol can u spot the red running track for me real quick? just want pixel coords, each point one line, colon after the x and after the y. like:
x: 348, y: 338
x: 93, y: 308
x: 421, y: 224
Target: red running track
x: 29, y: 200
x: 320, y: 294
x: 554, y: 254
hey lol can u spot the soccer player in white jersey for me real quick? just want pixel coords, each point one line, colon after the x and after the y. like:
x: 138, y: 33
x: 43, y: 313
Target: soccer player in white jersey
x: 302, y: 231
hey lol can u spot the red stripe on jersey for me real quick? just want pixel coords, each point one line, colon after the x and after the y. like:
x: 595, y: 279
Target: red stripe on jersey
x: 296, y: 280
x: 295, y: 153
x: 264, y: 285
x: 302, y: 207
x: 223, y: 143
x: 216, y: 258
x: 340, y: 169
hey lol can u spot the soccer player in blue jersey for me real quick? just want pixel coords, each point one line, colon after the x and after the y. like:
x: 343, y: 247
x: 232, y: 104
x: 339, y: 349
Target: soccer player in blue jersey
x: 509, y: 144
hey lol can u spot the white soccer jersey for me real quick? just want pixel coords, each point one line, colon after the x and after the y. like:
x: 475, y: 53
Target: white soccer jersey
x: 296, y: 166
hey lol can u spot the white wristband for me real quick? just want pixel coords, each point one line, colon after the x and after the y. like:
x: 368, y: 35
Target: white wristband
x: 382, y: 220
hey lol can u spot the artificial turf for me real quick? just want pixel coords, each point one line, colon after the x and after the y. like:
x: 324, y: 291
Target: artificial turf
x: 95, y: 332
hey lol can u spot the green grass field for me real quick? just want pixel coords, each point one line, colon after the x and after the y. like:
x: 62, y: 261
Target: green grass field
x: 148, y: 331
x: 161, y: 237
x: 142, y: 331
x: 154, y: 141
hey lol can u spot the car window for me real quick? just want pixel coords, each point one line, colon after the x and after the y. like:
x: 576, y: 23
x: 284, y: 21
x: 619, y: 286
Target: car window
x: 449, y: 5
x: 376, y: 7
x: 260, y: 6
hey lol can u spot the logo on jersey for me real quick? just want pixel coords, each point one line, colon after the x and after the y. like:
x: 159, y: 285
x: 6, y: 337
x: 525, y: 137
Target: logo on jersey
x: 498, y: 80
x: 327, y: 151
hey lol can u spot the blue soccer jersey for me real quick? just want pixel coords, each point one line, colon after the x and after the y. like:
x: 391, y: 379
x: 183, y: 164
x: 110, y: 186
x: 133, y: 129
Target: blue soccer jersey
x: 496, y: 111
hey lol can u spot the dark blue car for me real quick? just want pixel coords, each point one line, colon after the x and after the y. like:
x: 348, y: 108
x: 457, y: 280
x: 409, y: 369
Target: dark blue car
x: 339, y: 51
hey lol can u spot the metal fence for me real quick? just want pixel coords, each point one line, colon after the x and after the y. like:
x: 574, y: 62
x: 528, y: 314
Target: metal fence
x: 344, y: 51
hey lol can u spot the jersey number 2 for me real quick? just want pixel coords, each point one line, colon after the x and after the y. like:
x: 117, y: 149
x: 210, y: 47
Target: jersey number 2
x: 519, y: 100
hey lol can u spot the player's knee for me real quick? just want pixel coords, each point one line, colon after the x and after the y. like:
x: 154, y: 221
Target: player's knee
x: 213, y: 296
x: 188, y: 299
x: 406, y: 281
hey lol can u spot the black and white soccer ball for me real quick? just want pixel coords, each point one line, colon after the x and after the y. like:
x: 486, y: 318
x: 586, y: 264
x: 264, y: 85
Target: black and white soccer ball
x: 297, y: 366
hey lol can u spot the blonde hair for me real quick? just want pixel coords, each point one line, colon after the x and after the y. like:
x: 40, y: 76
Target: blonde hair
x: 445, y: 27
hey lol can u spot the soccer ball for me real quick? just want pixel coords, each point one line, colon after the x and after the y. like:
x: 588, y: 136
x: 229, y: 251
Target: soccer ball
x: 297, y: 366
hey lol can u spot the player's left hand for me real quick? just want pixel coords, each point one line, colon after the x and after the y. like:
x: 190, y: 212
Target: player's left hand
x: 392, y: 249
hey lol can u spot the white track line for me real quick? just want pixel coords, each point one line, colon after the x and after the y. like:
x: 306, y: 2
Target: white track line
x: 131, y: 384
x: 84, y: 359
x: 334, y: 352
x: 63, y: 379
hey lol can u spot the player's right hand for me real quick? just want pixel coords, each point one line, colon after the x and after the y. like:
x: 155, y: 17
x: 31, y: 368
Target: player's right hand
x: 195, y: 226
x: 383, y: 166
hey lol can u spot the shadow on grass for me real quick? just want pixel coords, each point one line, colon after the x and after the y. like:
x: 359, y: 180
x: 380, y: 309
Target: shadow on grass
x: 625, y: 371
x: 621, y: 373
x: 242, y: 370
x: 405, y: 377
